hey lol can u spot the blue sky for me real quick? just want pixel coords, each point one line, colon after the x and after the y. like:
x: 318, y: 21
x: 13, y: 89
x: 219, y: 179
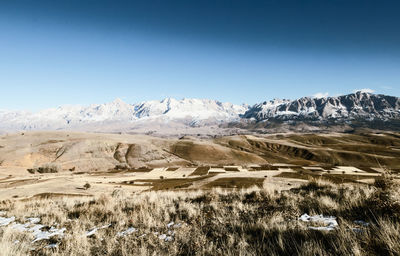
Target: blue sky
x: 81, y: 52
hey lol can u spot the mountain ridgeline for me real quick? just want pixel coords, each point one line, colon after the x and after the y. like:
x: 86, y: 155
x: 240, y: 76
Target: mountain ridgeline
x: 351, y: 106
x: 360, y: 109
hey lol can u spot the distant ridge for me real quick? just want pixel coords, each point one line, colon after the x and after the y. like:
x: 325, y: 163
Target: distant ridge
x: 356, y: 105
x: 174, y: 116
x: 115, y: 114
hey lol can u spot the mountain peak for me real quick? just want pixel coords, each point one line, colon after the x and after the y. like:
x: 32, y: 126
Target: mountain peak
x: 361, y: 104
x: 364, y: 91
x: 118, y: 101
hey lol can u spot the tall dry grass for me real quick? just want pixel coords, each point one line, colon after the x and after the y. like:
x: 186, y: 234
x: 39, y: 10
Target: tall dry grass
x: 218, y: 222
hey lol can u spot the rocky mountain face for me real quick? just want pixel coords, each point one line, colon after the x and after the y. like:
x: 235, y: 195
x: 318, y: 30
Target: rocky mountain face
x: 177, y: 116
x: 347, y: 107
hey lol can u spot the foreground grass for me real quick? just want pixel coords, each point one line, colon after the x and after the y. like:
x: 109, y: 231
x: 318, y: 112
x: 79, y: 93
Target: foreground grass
x: 255, y: 221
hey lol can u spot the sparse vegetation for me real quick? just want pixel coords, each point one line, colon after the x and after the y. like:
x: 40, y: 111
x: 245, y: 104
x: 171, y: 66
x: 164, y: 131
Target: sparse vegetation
x: 238, y: 182
x: 336, y: 178
x: 254, y: 221
x: 86, y: 186
x: 30, y: 170
x: 251, y: 209
x: 46, y: 168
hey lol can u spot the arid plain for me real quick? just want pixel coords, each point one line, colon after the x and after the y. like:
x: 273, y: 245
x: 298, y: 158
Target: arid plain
x: 70, y: 193
x: 139, y: 162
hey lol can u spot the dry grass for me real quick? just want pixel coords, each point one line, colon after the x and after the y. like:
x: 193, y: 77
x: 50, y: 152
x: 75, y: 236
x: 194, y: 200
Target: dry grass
x: 168, y: 184
x: 236, y: 182
x: 335, y: 178
x: 253, y: 221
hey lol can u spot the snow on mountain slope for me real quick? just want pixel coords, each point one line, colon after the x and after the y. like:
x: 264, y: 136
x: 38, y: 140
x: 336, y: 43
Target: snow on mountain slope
x: 356, y: 105
x: 186, y: 111
x: 197, y: 109
x: 171, y: 115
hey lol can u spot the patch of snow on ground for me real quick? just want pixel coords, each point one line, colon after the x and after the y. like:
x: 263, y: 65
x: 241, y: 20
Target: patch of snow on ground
x: 329, y: 222
x: 36, y: 228
x: 33, y: 227
x: 20, y: 227
x: 33, y: 220
x: 45, y: 235
x: 6, y: 221
x: 127, y: 232
x: 168, y: 239
x: 178, y: 225
x: 93, y: 231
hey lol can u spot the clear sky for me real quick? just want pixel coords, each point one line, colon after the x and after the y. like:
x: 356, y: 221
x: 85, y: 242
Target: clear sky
x: 81, y: 52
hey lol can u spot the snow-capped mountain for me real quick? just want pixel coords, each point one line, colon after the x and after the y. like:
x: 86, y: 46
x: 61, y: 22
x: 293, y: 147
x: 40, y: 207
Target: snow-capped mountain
x: 190, y: 112
x: 197, y: 109
x: 358, y: 105
x: 177, y: 116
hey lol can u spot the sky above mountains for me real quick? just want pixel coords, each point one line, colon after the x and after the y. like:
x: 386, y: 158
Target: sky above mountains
x: 82, y: 52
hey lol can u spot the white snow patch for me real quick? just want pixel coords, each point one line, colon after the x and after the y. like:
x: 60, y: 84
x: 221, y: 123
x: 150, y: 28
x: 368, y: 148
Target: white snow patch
x: 6, y: 221
x: 127, y: 232
x: 329, y: 222
x: 178, y: 225
x: 168, y: 239
x: 45, y: 235
x: 36, y: 228
x: 93, y: 231
x: 20, y: 227
x: 33, y: 220
x: 169, y: 225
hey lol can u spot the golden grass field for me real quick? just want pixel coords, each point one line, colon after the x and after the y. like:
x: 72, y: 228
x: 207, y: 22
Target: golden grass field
x: 118, y: 194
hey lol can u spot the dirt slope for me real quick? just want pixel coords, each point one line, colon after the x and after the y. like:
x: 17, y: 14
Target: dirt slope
x: 101, y: 152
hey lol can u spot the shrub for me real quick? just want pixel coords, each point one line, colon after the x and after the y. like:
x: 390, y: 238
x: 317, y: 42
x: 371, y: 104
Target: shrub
x: 46, y: 168
x: 86, y: 186
x: 49, y: 168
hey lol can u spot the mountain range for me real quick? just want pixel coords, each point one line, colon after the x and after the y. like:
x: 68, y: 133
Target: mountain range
x: 171, y: 115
